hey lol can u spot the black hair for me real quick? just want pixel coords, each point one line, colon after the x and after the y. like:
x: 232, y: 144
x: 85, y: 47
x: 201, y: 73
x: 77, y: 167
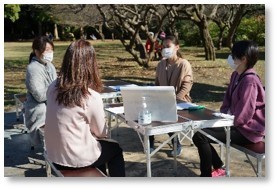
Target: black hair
x: 175, y: 41
x: 246, y: 48
x: 39, y: 44
x: 32, y: 54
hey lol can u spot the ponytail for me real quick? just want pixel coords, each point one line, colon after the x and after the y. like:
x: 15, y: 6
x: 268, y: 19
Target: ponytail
x: 32, y: 54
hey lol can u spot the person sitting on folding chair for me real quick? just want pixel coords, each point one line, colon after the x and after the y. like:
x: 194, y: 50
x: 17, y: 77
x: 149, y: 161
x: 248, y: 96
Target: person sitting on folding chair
x: 245, y: 99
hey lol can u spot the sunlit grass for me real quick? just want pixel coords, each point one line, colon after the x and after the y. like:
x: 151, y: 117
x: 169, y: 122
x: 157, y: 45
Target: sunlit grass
x: 210, y: 77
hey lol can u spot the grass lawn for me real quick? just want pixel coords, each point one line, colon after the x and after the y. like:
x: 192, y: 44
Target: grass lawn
x: 210, y: 78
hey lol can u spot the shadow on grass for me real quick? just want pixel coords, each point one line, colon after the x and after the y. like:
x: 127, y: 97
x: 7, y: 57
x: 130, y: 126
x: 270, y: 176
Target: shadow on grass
x: 15, y: 65
x: 133, y: 80
x: 199, y: 91
x: 207, y: 92
x: 224, y: 55
x: 119, y: 66
x: 120, y: 59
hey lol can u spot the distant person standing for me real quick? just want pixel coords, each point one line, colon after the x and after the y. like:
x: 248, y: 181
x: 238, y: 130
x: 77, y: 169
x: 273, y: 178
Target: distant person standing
x: 50, y: 36
x: 39, y: 74
x: 162, y: 36
x: 155, y: 48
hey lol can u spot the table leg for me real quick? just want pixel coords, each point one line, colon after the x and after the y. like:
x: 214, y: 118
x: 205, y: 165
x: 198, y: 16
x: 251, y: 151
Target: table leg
x: 16, y: 108
x: 117, y: 124
x: 109, y: 124
x: 148, y: 156
x: 228, y: 141
x: 175, y: 154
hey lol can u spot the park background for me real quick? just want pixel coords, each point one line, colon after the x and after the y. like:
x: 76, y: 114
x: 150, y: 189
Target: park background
x: 270, y: 11
x: 206, y: 33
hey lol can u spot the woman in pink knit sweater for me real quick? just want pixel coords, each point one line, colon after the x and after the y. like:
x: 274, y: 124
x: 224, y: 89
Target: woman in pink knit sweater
x: 75, y: 127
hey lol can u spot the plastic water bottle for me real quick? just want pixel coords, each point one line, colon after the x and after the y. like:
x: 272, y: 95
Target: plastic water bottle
x: 144, y: 116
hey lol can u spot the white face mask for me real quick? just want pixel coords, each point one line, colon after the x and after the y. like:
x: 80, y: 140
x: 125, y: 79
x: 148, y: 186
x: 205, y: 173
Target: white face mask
x: 167, y: 52
x: 231, y: 62
x: 48, y: 57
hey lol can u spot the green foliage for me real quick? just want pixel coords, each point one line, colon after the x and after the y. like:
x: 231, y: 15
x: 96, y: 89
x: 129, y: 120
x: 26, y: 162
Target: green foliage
x: 11, y: 12
x: 188, y: 33
x: 69, y: 33
x: 214, y: 32
x: 38, y: 12
x: 252, y: 28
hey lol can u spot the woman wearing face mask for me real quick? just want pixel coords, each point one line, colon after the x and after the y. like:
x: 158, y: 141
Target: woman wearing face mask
x: 39, y: 75
x: 245, y: 99
x: 175, y: 71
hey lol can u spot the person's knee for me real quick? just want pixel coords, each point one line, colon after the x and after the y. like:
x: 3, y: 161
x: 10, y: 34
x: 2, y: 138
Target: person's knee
x: 198, y: 138
x: 118, y: 148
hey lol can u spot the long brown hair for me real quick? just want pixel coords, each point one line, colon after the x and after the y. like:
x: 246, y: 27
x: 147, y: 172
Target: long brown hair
x: 78, y: 73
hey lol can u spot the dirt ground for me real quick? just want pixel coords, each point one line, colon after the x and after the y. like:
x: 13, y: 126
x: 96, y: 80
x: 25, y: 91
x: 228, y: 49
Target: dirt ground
x: 162, y: 162
x: 20, y: 161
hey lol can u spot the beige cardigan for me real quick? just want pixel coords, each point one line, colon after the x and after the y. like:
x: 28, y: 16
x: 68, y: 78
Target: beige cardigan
x: 178, y: 75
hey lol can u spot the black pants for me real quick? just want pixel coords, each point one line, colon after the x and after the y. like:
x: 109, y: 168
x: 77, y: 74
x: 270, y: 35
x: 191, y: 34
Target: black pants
x: 112, y: 155
x: 151, y: 138
x: 208, y: 155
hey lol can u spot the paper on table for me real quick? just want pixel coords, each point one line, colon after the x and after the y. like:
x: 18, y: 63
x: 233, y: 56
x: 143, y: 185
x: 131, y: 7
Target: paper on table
x: 223, y: 115
x: 185, y: 105
x: 118, y: 87
x: 116, y: 110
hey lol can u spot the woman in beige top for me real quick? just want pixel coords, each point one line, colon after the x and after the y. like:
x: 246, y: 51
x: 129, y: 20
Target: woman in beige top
x: 175, y: 71
x: 75, y: 128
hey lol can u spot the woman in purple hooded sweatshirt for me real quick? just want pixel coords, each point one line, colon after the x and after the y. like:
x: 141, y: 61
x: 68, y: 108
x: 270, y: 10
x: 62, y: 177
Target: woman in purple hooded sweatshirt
x: 245, y: 99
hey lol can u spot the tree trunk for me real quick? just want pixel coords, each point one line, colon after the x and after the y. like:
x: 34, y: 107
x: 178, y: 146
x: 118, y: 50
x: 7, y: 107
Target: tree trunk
x: 142, y: 59
x: 56, y: 36
x: 173, y: 30
x: 141, y: 62
x: 112, y: 35
x: 207, y: 41
x: 144, y: 62
x: 101, y: 33
x: 82, y: 33
x: 220, y: 38
x: 12, y: 32
x: 142, y: 50
x: 40, y: 28
x: 234, y: 25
